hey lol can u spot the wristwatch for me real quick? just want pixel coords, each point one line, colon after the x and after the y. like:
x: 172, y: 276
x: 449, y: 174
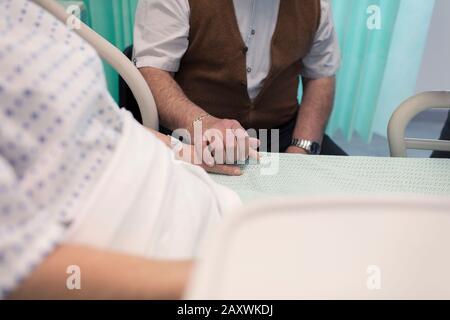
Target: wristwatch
x: 311, y: 147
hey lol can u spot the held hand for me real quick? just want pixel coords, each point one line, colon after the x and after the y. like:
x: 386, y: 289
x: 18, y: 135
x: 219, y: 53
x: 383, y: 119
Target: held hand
x: 224, y: 169
x: 226, y: 142
x: 188, y: 153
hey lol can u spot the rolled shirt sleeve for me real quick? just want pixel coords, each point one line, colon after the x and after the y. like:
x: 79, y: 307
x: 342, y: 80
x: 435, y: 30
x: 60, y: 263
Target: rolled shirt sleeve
x: 161, y: 33
x: 324, y: 59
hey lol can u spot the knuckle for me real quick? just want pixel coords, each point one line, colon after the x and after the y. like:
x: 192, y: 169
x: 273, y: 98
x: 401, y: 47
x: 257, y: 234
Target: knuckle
x: 228, y: 122
x: 236, y: 123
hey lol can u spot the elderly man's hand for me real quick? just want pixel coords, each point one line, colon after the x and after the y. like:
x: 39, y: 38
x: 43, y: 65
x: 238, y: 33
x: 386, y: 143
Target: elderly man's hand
x: 224, y: 141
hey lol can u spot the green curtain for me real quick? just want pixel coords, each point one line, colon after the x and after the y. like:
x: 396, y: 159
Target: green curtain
x: 379, y: 67
x: 114, y: 20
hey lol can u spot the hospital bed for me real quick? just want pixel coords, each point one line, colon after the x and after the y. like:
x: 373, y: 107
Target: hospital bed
x: 329, y: 248
x: 318, y: 227
x: 295, y: 239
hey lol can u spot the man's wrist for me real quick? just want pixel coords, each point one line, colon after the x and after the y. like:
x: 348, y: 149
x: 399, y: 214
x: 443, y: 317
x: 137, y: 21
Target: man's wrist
x: 204, y: 120
x: 309, y: 146
x: 197, y: 118
x: 199, y: 124
x: 200, y: 118
x: 297, y: 150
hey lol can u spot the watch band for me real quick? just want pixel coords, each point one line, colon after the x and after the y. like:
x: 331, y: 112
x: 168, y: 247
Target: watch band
x: 311, y: 147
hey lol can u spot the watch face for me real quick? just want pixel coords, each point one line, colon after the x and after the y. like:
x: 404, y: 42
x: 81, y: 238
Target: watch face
x: 315, y: 148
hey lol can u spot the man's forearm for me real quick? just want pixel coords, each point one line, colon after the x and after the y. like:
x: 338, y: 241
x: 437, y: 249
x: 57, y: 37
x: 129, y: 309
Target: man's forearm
x: 315, y: 110
x: 175, y: 109
x: 104, y: 275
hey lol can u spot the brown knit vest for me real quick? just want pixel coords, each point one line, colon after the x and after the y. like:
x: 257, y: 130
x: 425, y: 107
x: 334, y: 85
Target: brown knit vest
x: 213, y: 70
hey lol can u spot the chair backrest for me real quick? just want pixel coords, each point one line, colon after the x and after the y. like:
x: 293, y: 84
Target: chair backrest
x: 445, y: 135
x: 116, y: 59
x: 368, y: 248
x: 126, y: 97
x: 398, y: 144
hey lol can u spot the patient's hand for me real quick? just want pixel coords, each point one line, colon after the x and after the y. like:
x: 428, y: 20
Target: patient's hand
x: 188, y: 153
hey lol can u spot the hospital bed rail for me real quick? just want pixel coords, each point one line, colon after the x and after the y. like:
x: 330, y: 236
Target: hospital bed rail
x: 116, y: 59
x: 398, y: 143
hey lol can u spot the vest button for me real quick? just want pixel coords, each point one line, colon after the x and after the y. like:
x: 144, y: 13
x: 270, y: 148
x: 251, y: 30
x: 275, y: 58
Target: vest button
x: 245, y: 50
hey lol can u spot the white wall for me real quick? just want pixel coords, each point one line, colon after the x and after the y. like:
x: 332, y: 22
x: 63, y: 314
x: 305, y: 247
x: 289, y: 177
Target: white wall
x: 435, y: 70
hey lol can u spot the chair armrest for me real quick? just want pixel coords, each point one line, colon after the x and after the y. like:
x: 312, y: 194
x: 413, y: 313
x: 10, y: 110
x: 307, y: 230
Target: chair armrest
x: 403, y: 116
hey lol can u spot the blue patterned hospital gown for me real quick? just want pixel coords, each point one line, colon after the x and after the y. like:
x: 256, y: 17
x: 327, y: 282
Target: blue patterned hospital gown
x: 58, y: 129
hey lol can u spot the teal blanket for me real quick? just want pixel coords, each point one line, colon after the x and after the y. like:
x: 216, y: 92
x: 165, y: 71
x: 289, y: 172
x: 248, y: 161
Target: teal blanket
x: 283, y: 174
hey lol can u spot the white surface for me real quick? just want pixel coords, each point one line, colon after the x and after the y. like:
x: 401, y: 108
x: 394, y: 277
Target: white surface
x: 323, y: 249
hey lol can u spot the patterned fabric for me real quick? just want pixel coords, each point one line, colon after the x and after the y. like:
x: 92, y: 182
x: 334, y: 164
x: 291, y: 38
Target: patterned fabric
x: 286, y: 174
x: 58, y: 129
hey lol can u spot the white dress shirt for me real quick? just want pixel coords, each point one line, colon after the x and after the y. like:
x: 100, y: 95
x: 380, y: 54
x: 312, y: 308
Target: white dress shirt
x: 161, y: 38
